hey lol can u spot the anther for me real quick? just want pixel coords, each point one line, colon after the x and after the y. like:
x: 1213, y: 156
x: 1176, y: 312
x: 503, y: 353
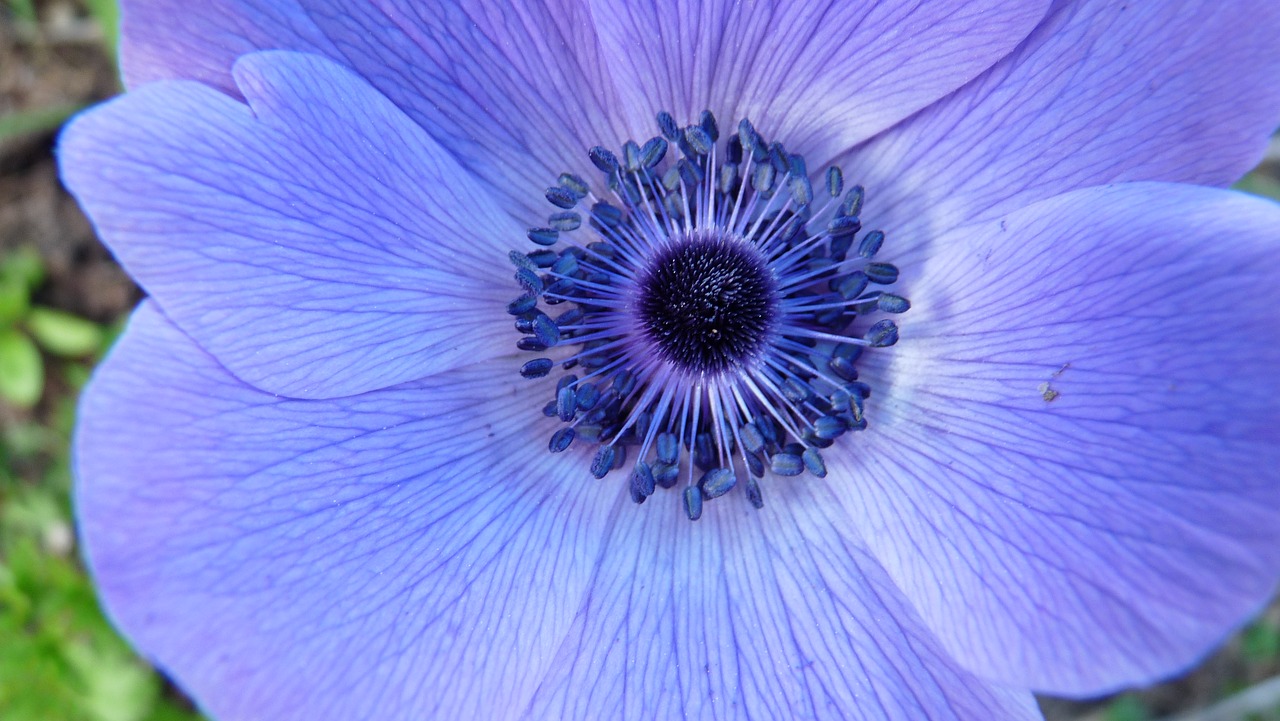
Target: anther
x: 813, y: 462
x: 835, y: 182
x: 536, y: 368
x: 852, y: 204
x: 603, y: 159
x: 717, y: 482
x: 717, y: 311
x: 667, y: 125
x: 603, y: 462
x: 523, y: 304
x: 870, y: 244
x: 693, y: 503
x: 890, y: 303
x: 653, y: 152
x: 883, y: 334
x: 561, y: 198
x: 642, y: 482
x: 542, y: 258
x: 561, y: 439
x: 786, y: 464
x: 881, y: 273
x: 668, y: 448
x: 544, y: 236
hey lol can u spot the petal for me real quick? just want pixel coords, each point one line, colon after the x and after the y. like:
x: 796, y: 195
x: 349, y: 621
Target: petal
x: 316, y: 242
x: 177, y: 39
x: 515, y: 92
x: 1072, y: 465
x: 819, y: 76
x: 1102, y: 92
x: 405, y: 554
x: 775, y: 614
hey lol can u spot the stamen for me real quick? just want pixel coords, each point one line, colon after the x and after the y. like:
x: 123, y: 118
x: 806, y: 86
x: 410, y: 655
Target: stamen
x: 715, y: 311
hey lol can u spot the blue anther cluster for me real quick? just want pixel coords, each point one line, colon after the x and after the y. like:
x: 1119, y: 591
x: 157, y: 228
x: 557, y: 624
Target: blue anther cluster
x: 710, y: 302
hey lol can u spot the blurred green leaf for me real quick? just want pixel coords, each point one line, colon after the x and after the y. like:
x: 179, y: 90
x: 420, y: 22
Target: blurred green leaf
x: 33, y: 121
x: 20, y: 272
x: 115, y: 687
x: 24, y: 266
x: 1260, y: 184
x: 32, y: 511
x: 1260, y: 642
x: 1127, y: 708
x: 21, y: 369
x: 60, y: 659
x: 63, y: 334
x: 76, y: 375
x: 107, y: 13
x: 14, y: 300
x: 24, y: 440
x: 23, y: 10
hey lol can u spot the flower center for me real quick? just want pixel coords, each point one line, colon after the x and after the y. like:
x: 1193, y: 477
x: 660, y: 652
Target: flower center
x: 714, y: 310
x: 707, y: 302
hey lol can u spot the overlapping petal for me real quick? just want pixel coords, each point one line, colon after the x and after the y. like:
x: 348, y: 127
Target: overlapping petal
x: 1072, y: 465
x: 775, y: 614
x: 179, y: 40
x: 518, y: 92
x: 409, y: 553
x: 1102, y: 92
x: 819, y: 76
x: 316, y: 241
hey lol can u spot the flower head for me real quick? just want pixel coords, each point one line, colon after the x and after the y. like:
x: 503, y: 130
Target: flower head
x: 313, y: 483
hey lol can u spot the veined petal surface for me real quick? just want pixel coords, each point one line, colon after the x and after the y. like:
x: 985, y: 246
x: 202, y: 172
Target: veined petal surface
x: 519, y: 91
x: 1102, y: 92
x: 180, y: 40
x: 772, y: 614
x: 819, y: 76
x: 1073, y: 464
x: 316, y: 241
x: 404, y: 554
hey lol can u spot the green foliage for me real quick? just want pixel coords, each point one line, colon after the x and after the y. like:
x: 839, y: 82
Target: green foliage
x: 1260, y: 184
x: 60, y: 659
x: 20, y: 273
x: 26, y: 329
x: 24, y: 10
x: 1127, y: 708
x: 64, y: 334
x: 33, y: 121
x: 1260, y: 642
x: 107, y: 13
x: 21, y: 369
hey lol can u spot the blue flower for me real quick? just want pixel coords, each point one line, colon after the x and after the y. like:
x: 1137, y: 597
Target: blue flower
x: 312, y: 482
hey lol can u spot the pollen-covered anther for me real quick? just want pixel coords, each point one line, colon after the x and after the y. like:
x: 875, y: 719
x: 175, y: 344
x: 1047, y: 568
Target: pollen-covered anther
x: 712, y: 312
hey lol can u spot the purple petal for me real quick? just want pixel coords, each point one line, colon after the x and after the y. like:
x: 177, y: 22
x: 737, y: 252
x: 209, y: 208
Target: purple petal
x: 177, y: 39
x: 818, y: 76
x: 1073, y: 465
x: 776, y: 614
x: 516, y: 93
x: 317, y: 242
x: 1102, y: 92
x: 405, y: 554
